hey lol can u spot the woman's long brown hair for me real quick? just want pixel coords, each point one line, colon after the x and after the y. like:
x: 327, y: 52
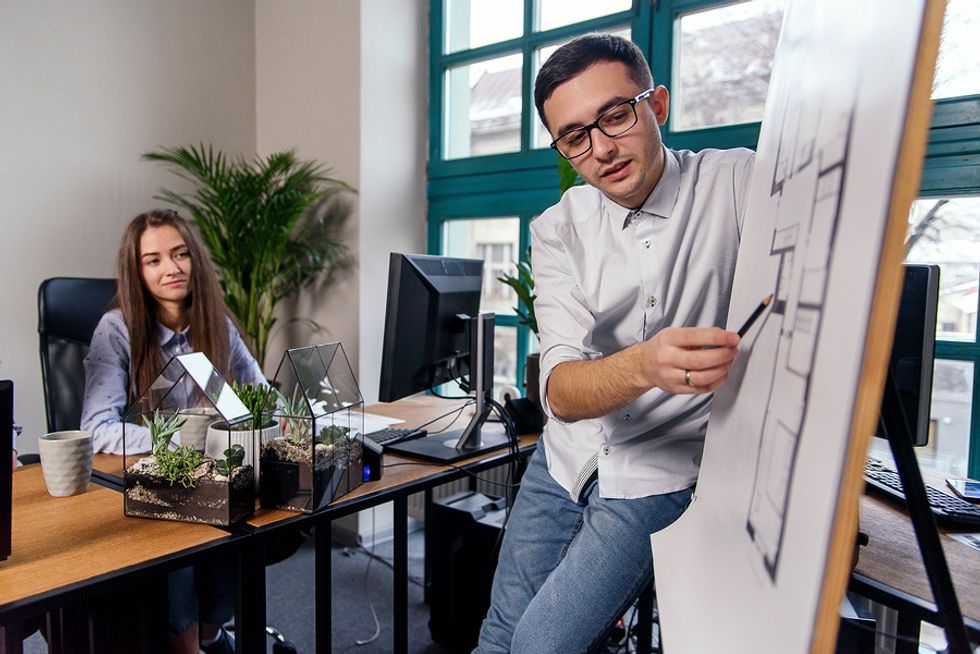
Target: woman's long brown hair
x: 206, y: 308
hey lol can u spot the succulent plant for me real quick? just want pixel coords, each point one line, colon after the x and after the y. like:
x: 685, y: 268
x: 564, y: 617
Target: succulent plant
x: 162, y: 428
x: 234, y: 457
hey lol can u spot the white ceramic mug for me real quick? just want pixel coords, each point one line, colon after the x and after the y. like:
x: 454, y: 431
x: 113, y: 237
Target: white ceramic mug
x: 66, y: 461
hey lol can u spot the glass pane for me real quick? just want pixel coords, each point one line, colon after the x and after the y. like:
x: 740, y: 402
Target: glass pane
x: 557, y: 13
x: 483, y: 107
x: 946, y: 231
x: 504, y: 357
x: 948, y: 450
x: 472, y: 23
x: 496, y: 241
x: 958, y: 68
x: 541, y: 137
x: 722, y: 62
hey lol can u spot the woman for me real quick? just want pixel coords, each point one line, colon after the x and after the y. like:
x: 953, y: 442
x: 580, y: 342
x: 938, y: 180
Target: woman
x: 167, y: 302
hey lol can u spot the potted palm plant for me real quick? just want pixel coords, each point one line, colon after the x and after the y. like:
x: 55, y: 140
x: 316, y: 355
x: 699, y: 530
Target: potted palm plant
x: 523, y: 285
x: 272, y: 225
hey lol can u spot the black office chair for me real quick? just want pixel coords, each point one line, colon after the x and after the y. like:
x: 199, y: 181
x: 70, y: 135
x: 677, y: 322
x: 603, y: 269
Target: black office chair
x: 68, y: 310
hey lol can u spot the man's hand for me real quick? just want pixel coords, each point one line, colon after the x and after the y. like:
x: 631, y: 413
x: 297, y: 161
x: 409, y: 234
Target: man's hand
x: 688, y: 359
x: 677, y: 360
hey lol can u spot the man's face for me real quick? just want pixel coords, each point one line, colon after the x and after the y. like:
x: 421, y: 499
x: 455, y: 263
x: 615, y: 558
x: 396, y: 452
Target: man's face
x: 626, y: 168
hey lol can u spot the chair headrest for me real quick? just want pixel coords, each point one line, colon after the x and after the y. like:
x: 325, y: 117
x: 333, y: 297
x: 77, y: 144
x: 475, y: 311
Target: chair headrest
x: 70, y: 307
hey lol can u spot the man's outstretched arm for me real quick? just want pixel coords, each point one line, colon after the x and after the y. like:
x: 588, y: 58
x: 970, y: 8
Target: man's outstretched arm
x: 578, y: 390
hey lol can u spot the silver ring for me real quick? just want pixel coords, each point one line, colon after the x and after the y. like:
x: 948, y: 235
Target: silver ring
x: 687, y: 378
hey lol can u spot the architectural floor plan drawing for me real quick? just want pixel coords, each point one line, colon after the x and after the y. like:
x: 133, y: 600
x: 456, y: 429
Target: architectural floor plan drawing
x: 807, y: 187
x: 765, y: 546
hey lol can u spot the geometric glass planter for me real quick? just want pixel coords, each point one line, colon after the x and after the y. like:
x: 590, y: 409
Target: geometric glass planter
x: 317, y: 456
x: 173, y: 469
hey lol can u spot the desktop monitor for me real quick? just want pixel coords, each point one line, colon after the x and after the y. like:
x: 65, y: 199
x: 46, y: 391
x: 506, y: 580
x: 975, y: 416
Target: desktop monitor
x: 913, y: 349
x: 434, y: 333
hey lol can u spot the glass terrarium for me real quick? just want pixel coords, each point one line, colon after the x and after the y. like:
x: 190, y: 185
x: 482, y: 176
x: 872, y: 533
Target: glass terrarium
x: 317, y: 457
x: 176, y: 465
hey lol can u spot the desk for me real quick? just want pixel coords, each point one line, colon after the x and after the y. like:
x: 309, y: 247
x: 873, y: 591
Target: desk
x: 890, y: 571
x: 401, y: 477
x: 69, y: 548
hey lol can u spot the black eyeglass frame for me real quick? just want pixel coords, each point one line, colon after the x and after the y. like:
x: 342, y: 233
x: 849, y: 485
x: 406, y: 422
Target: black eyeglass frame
x: 632, y: 102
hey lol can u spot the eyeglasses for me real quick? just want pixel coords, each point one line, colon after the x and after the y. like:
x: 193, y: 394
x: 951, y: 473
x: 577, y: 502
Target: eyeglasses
x: 618, y: 120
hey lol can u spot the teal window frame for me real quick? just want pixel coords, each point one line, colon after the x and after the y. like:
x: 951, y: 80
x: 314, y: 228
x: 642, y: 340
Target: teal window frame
x: 525, y: 183
x: 951, y: 168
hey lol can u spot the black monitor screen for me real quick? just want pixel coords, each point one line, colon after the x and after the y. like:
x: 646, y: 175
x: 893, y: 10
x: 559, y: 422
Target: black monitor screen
x: 913, y: 348
x: 6, y: 463
x: 425, y: 341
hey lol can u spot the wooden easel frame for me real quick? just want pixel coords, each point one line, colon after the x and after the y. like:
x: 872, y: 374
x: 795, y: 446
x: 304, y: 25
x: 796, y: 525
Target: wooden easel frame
x: 878, y: 343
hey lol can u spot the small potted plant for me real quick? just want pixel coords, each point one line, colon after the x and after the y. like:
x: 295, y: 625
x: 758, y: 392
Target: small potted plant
x: 523, y: 285
x: 261, y: 426
x: 181, y: 483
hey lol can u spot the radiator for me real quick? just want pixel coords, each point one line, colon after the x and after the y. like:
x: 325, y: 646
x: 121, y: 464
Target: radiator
x: 488, y: 484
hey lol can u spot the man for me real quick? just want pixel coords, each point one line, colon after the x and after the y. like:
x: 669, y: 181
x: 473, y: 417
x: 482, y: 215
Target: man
x: 633, y: 274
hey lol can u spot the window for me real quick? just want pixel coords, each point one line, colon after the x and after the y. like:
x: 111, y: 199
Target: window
x: 490, y: 161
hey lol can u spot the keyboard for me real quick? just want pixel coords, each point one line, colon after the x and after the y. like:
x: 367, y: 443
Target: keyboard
x: 392, y: 435
x: 948, y: 510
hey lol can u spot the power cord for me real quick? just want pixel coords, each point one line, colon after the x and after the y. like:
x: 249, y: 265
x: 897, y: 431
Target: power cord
x: 367, y: 594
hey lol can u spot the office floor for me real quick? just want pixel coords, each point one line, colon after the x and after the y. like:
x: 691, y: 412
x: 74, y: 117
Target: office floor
x: 356, y: 578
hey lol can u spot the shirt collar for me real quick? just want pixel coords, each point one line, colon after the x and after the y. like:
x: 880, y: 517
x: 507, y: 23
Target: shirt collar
x: 165, y: 335
x: 661, y: 200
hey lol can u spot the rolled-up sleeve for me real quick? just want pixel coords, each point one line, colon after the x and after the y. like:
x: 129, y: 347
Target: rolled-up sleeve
x: 564, y: 320
x: 106, y: 384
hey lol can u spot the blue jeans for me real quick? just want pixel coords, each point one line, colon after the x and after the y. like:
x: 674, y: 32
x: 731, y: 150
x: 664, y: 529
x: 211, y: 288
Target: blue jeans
x: 569, y: 570
x: 202, y: 593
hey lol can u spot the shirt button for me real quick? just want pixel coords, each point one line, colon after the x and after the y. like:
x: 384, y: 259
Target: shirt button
x: 626, y: 417
x: 646, y: 243
x: 605, y: 450
x: 652, y: 301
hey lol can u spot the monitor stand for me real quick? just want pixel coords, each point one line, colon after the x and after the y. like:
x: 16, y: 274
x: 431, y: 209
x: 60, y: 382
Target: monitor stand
x: 471, y: 440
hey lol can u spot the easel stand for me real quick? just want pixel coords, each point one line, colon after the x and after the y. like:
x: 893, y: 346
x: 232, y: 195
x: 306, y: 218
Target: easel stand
x: 900, y: 439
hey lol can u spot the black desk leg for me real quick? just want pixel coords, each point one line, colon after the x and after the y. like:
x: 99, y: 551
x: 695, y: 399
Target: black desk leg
x: 907, y: 629
x: 250, y: 602
x: 12, y: 638
x: 644, y: 615
x: 427, y: 563
x: 322, y: 607
x: 401, y: 575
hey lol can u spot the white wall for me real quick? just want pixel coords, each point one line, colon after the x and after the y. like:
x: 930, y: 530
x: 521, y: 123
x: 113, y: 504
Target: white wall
x: 307, y: 89
x: 345, y: 83
x: 86, y: 88
x: 394, y: 144
x: 365, y: 117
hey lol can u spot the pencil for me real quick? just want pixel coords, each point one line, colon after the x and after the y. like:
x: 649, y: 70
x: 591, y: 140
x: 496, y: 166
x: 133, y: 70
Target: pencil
x: 755, y: 315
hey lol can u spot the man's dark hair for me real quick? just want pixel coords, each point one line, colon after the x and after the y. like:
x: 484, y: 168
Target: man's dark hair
x: 575, y: 56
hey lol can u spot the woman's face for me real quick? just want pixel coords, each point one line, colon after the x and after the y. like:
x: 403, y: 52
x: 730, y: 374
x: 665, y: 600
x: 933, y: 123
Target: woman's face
x: 165, y: 264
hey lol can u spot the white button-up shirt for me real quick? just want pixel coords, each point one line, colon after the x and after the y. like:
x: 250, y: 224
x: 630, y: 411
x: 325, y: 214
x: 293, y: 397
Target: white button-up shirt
x: 607, y: 278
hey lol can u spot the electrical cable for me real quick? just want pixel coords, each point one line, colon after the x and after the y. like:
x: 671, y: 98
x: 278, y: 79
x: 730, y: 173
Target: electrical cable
x: 367, y: 593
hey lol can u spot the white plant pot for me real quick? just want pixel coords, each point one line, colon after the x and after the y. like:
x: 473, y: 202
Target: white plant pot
x: 219, y: 438
x: 66, y: 461
x: 195, y: 429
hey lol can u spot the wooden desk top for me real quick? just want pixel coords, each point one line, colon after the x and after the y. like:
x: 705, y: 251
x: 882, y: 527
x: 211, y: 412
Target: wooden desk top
x: 60, y: 541
x: 892, y: 556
